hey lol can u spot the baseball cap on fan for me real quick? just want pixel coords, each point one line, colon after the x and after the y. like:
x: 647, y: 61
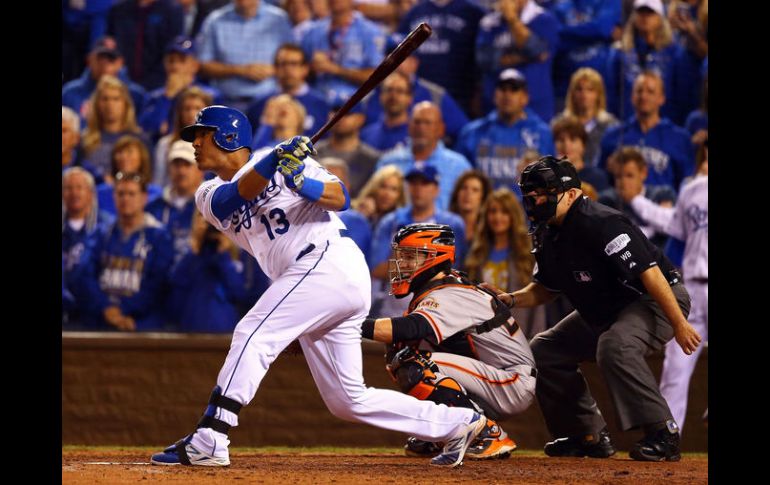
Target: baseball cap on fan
x: 654, y: 5
x: 182, y: 45
x: 106, y: 46
x: 182, y: 150
x: 513, y: 78
x: 427, y: 173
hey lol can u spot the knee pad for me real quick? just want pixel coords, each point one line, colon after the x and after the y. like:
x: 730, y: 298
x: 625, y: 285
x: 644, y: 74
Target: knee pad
x: 217, y: 400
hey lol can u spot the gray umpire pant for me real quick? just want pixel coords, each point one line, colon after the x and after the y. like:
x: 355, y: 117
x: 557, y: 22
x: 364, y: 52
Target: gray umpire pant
x: 565, y: 400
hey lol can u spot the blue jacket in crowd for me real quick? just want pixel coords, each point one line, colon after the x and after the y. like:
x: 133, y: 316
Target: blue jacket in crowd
x: 129, y: 272
x: 496, y: 148
x: 205, y: 291
x: 666, y: 148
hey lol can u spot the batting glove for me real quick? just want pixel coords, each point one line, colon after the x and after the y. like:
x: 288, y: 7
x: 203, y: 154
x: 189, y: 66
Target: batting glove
x: 291, y: 168
x: 298, y: 146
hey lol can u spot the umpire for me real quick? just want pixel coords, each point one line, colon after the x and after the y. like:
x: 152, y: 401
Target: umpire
x: 629, y: 301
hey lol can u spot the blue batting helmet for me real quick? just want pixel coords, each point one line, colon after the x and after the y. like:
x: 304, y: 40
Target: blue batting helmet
x: 232, y: 130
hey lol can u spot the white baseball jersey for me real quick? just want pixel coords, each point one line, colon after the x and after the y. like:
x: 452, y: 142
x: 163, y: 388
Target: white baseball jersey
x: 279, y: 223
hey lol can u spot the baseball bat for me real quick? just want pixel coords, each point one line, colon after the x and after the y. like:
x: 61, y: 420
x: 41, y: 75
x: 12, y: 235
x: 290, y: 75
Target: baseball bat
x: 387, y: 66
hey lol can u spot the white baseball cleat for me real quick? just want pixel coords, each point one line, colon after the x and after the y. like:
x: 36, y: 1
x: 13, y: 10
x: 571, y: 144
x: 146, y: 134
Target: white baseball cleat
x: 184, y: 453
x: 455, y: 448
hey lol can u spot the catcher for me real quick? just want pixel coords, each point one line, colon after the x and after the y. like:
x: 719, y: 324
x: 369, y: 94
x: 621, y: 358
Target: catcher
x: 457, y: 343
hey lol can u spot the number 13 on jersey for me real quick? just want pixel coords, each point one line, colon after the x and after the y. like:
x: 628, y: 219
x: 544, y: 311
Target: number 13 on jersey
x: 276, y: 223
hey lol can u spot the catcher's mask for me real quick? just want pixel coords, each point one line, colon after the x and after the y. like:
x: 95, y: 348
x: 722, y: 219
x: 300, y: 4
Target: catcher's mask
x: 420, y: 251
x: 550, y: 177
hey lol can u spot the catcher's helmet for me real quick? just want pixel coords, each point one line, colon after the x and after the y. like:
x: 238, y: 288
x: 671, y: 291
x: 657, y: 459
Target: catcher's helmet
x: 420, y: 251
x: 232, y: 130
x: 548, y: 176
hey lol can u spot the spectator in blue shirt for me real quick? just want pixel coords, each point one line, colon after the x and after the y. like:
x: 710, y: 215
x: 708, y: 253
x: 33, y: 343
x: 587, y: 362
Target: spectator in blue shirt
x: 124, y: 281
x: 181, y: 68
x: 236, y: 47
x: 521, y: 35
x: 447, y: 57
x: 291, y: 73
x: 81, y: 220
x: 208, y: 282
x: 343, y: 49
x: 646, y: 44
x: 104, y: 59
x: 391, y: 129
x: 143, y: 29
x: 666, y: 147
x: 425, y: 148
x: 496, y: 142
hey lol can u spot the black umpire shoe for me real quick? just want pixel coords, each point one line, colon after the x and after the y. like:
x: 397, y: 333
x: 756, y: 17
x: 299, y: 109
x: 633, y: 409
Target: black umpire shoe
x: 591, y: 445
x: 658, y: 446
x: 421, y: 449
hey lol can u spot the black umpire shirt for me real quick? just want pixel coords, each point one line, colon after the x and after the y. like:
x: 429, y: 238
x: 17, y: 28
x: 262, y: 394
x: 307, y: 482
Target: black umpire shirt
x: 595, y: 258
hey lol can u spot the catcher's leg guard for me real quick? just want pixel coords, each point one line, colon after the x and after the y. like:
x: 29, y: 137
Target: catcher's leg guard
x: 415, y: 375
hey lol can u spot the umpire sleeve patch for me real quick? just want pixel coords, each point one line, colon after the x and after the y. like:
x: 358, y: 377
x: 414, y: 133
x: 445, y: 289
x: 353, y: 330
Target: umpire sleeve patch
x: 617, y: 244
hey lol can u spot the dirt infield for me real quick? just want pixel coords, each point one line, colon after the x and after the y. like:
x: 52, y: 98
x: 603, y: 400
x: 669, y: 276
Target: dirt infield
x: 132, y: 467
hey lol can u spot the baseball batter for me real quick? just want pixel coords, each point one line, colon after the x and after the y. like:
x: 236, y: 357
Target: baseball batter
x: 279, y: 206
x: 480, y: 359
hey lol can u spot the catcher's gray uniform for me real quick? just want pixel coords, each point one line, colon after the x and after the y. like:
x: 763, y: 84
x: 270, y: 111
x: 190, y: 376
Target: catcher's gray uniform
x: 497, y: 365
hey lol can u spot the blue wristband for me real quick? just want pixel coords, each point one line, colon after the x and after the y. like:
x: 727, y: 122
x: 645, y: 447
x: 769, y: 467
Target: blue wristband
x: 266, y: 167
x: 347, y: 198
x: 312, y: 189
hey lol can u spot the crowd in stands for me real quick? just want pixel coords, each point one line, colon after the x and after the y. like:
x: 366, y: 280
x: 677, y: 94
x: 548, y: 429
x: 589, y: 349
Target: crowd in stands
x: 620, y: 87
